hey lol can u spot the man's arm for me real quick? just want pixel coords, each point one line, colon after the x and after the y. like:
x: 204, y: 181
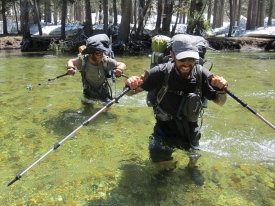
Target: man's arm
x: 71, y: 66
x: 221, y: 97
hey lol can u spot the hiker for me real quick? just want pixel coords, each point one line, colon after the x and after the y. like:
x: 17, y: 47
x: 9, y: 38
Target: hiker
x: 95, y: 66
x: 178, y: 103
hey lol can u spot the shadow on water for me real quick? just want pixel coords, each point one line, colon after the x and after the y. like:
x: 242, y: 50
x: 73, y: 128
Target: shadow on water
x: 68, y: 120
x: 139, y: 185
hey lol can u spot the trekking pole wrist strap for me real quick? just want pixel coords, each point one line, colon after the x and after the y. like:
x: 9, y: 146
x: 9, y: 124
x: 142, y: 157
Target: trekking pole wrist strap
x: 221, y: 92
x: 70, y: 67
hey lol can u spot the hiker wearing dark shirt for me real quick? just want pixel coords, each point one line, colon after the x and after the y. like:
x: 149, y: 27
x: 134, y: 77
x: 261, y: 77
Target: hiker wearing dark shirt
x: 178, y: 103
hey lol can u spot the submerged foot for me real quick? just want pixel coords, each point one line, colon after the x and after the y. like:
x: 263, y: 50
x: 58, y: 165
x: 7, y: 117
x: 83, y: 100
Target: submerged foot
x: 164, y: 172
x: 86, y: 101
x: 162, y: 175
x: 196, y: 175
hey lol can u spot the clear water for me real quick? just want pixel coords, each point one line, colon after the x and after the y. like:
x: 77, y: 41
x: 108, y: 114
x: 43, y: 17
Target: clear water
x: 106, y: 162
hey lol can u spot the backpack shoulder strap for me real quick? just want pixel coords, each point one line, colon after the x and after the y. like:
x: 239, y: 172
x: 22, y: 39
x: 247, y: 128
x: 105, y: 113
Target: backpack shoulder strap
x: 105, y: 64
x: 164, y: 87
x: 84, y: 59
x: 199, y: 79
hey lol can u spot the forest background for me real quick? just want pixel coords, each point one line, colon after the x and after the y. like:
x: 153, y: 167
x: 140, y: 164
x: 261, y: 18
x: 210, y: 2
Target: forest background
x: 199, y: 15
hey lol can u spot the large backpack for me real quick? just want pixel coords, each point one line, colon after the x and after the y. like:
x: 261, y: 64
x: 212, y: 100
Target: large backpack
x: 161, y: 47
x: 160, y: 51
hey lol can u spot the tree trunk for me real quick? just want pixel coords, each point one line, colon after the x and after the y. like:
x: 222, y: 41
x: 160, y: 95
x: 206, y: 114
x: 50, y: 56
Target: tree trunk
x: 143, y: 10
x: 5, y: 27
x: 271, y: 8
x: 221, y: 13
x: 16, y: 18
x: 239, y: 12
x: 254, y: 13
x: 135, y: 19
x: 192, y: 8
x: 115, y: 12
x: 261, y: 10
x: 111, y: 15
x: 70, y: 13
x: 184, y: 17
x: 88, y: 28
x: 167, y: 16
x: 100, y: 13
x: 231, y: 17
x: 218, y: 13
x: 37, y: 14
x: 159, y: 14
x: 123, y: 33
x: 175, y: 25
x: 106, y: 16
x: 78, y: 11
x: 249, y: 15
x: 215, y: 15
x: 47, y: 11
x: 63, y: 19
x: 209, y: 11
x: 55, y: 12
x: 234, y: 12
x: 132, y: 13
x: 25, y: 27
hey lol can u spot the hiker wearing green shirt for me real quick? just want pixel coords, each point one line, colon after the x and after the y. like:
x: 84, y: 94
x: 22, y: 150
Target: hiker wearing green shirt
x: 95, y: 67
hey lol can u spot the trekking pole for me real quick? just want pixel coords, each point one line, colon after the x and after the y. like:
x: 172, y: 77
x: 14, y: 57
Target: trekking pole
x: 29, y: 87
x: 249, y: 108
x: 57, y: 77
x: 123, y: 75
x: 57, y: 144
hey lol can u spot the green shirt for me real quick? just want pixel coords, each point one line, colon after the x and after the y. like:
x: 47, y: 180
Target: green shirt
x: 95, y: 75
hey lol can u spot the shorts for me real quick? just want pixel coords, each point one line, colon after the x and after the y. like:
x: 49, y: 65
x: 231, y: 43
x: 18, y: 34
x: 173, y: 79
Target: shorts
x: 161, y: 147
x: 102, y: 94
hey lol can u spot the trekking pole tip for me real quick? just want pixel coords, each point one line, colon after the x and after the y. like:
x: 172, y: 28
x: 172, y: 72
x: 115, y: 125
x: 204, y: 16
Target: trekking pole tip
x: 15, y: 179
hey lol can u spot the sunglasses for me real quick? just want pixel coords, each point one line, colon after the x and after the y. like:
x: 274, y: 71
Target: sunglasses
x: 185, y: 59
x: 98, y: 53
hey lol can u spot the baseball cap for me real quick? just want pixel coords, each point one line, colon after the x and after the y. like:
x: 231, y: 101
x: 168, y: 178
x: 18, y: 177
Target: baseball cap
x: 184, y: 46
x: 93, y: 46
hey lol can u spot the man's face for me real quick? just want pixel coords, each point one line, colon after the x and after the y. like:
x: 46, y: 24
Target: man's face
x: 184, y: 66
x: 96, y: 56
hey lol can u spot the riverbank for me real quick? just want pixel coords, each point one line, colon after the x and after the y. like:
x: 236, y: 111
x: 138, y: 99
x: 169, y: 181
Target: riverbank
x: 242, y: 43
x: 12, y: 41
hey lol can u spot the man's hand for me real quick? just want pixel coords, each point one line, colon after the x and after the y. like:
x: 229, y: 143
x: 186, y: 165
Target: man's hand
x: 134, y: 82
x: 219, y: 82
x: 118, y: 72
x: 71, y: 70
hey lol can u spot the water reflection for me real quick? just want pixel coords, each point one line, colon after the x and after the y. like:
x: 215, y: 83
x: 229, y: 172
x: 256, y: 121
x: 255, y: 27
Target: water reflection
x: 106, y: 162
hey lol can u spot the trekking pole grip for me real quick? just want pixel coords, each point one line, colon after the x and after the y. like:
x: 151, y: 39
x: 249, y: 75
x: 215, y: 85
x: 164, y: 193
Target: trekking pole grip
x: 127, y: 88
